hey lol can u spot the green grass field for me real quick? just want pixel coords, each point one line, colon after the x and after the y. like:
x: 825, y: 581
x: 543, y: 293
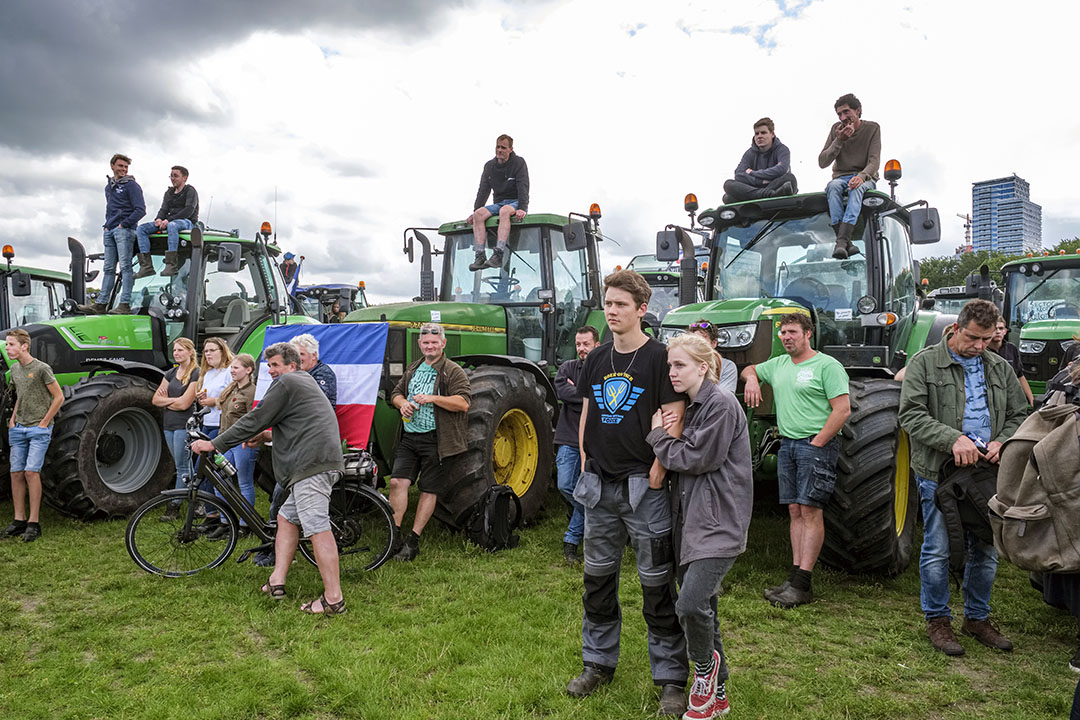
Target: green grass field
x: 465, y: 634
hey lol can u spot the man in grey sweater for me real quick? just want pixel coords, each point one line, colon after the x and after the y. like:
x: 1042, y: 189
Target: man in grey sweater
x: 307, y: 460
x: 854, y: 149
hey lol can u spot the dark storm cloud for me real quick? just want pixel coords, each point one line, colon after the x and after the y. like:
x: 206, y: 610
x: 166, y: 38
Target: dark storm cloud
x: 76, y: 74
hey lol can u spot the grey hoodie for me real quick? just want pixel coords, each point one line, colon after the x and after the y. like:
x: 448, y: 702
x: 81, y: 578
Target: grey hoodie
x: 712, y: 497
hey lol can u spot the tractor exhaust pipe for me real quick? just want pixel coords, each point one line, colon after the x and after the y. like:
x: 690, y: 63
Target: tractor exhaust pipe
x: 78, y: 270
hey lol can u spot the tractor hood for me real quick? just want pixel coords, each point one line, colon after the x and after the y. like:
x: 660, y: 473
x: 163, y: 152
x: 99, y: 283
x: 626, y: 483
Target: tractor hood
x: 1063, y: 329
x: 730, y: 312
x: 452, y: 315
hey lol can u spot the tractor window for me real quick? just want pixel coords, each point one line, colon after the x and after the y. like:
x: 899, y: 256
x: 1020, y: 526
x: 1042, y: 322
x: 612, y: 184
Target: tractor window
x: 146, y: 291
x: 232, y: 299
x: 518, y: 280
x: 665, y: 298
x: 899, y: 277
x: 38, y: 306
x: 1053, y: 293
x: 568, y: 270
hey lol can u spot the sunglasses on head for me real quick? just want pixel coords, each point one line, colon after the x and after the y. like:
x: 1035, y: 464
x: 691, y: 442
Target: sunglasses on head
x: 430, y: 331
x: 701, y: 325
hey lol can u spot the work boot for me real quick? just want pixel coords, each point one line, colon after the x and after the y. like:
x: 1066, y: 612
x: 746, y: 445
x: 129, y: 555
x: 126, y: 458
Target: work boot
x: 673, y: 700
x: 843, y: 241
x: 770, y: 592
x: 121, y: 309
x: 17, y: 527
x: 479, y: 262
x: 985, y: 632
x: 32, y: 532
x: 942, y: 637
x: 95, y: 309
x: 791, y: 597
x: 171, y: 265
x: 586, y: 683
x: 569, y: 553
x: 146, y: 266
x: 496, y: 259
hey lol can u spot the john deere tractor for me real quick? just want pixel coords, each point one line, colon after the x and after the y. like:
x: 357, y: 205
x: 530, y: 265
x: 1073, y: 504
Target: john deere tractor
x: 775, y: 256
x: 108, y: 454
x: 663, y: 278
x: 1042, y: 307
x: 510, y: 327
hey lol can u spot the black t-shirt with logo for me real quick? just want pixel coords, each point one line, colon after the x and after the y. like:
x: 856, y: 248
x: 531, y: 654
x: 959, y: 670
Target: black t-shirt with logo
x: 623, y: 391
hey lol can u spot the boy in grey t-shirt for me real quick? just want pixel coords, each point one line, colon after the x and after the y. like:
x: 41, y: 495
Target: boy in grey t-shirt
x: 29, y: 431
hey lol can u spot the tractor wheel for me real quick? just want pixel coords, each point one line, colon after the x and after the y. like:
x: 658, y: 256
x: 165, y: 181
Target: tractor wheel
x: 108, y: 453
x: 870, y: 521
x: 510, y: 442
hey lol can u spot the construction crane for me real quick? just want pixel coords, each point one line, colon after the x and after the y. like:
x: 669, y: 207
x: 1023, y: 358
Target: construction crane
x: 967, y: 228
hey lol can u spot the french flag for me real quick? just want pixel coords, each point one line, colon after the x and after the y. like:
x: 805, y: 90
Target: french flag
x: 354, y: 351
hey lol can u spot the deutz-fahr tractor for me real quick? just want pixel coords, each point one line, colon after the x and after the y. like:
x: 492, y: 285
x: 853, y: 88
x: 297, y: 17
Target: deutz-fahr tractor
x: 510, y: 327
x: 1042, y: 307
x: 774, y: 256
x: 318, y: 300
x: 108, y: 453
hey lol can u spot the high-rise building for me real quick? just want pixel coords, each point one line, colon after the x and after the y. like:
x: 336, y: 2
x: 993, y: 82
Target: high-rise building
x: 1003, y: 217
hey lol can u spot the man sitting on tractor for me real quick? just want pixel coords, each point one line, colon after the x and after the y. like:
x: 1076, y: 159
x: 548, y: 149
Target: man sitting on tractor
x: 854, y: 149
x: 179, y: 212
x: 765, y: 169
x: 507, y: 177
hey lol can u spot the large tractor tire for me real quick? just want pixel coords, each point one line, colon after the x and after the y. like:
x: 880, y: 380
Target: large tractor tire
x: 510, y: 442
x: 108, y: 453
x: 870, y: 521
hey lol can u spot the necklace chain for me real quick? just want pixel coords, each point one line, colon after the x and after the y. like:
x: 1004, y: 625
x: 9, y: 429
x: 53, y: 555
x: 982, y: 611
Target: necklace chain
x: 632, y: 358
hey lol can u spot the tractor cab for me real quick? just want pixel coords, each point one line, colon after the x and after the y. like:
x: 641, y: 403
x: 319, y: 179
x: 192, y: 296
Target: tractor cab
x: 319, y: 301
x: 663, y: 278
x: 30, y: 295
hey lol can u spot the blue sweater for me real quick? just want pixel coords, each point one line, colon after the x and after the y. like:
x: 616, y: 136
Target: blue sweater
x: 124, y: 204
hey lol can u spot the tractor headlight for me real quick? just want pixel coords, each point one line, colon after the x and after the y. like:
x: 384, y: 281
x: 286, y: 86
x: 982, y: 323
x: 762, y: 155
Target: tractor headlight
x: 667, y: 334
x: 873, y: 201
x: 733, y: 337
x: 1032, y: 347
x: 727, y: 214
x: 1066, y: 344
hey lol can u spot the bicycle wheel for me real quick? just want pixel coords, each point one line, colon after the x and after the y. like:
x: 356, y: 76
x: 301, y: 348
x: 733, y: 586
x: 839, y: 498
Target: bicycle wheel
x: 363, y: 526
x: 167, y: 543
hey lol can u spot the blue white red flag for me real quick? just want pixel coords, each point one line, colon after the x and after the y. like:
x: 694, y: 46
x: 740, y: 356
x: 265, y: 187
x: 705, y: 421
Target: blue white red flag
x: 354, y: 351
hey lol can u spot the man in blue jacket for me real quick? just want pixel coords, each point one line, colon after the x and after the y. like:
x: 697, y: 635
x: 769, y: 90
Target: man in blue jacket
x: 765, y: 169
x: 124, y: 207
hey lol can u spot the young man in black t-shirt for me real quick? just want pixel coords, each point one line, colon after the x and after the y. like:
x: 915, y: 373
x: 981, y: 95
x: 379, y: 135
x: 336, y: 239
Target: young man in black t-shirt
x: 1011, y: 353
x: 623, y: 383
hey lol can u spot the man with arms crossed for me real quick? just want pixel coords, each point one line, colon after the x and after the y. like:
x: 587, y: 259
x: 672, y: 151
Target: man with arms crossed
x: 958, y: 401
x: 810, y: 396
x: 764, y: 170
x: 307, y: 460
x: 621, y: 486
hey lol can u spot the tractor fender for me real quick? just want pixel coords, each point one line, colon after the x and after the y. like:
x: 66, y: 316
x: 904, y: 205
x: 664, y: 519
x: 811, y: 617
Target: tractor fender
x: 127, y: 367
x: 937, y: 328
x: 542, y: 378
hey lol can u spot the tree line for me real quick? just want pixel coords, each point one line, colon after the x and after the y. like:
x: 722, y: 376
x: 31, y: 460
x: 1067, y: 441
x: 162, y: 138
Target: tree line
x: 954, y: 269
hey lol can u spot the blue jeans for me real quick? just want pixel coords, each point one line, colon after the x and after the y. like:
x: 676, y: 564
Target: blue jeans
x: 835, y: 190
x: 568, y: 467
x: 28, y: 445
x: 243, y: 459
x: 982, y: 561
x: 173, y: 229
x: 118, y: 246
x: 176, y: 440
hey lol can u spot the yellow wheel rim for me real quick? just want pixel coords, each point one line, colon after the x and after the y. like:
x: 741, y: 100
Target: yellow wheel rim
x: 516, y: 451
x: 902, y: 483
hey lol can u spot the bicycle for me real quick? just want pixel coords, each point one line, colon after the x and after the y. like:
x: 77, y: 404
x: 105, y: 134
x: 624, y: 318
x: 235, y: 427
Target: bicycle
x: 361, y: 520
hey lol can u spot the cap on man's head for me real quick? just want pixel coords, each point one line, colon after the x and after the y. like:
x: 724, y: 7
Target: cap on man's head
x: 289, y: 256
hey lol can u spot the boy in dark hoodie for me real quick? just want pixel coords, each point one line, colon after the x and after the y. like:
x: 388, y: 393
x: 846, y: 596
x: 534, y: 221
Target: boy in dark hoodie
x: 765, y: 169
x: 124, y: 207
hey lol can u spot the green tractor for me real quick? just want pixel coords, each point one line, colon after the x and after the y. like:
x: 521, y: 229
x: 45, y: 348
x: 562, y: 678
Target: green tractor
x: 108, y: 453
x: 319, y: 300
x: 1042, y: 307
x: 774, y: 256
x: 510, y: 327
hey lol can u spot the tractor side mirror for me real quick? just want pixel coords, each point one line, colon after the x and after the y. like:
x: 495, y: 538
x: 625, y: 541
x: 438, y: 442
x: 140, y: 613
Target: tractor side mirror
x: 228, y: 257
x: 925, y: 226
x: 20, y: 284
x: 408, y: 249
x: 667, y: 246
x: 574, y: 236
x: 90, y: 275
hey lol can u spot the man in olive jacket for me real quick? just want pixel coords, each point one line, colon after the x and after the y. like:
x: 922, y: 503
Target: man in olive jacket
x: 960, y: 401
x: 433, y: 398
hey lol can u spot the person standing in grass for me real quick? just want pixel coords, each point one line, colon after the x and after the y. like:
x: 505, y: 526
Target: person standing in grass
x: 236, y: 400
x: 712, y: 500
x: 810, y: 397
x: 38, y: 399
x: 621, y: 486
x: 176, y: 396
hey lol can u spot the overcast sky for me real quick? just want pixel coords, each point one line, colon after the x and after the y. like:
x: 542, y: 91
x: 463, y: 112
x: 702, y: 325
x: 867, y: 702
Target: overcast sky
x: 363, y: 118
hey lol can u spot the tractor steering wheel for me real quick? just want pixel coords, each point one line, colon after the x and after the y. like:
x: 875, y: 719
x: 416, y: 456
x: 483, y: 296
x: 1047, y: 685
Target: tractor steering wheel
x: 1072, y: 311
x: 810, y: 288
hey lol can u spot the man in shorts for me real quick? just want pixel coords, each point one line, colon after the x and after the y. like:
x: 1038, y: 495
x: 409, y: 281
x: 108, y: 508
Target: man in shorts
x: 810, y: 396
x: 506, y: 177
x: 38, y: 399
x: 433, y: 398
x: 307, y: 460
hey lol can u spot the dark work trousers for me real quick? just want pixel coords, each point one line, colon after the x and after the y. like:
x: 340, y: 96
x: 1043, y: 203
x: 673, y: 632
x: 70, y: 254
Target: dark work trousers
x: 737, y: 189
x: 608, y: 523
x: 699, y: 588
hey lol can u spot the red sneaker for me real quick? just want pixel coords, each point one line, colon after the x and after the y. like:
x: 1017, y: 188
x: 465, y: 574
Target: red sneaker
x: 703, y: 691
x: 717, y: 708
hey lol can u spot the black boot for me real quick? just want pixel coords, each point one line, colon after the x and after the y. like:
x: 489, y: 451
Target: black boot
x: 171, y: 265
x: 479, y: 262
x: 843, y: 239
x: 569, y: 552
x: 846, y: 229
x: 146, y: 266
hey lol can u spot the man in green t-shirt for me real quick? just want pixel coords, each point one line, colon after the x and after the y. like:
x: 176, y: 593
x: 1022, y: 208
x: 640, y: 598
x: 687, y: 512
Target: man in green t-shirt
x: 810, y: 394
x: 38, y: 398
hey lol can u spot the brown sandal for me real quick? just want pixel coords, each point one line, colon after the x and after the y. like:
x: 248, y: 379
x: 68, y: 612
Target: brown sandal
x: 274, y: 592
x: 328, y: 608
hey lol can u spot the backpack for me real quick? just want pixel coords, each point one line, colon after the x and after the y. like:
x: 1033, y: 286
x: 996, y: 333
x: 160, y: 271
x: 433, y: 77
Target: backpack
x: 962, y: 496
x: 1035, y: 514
x: 491, y: 524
